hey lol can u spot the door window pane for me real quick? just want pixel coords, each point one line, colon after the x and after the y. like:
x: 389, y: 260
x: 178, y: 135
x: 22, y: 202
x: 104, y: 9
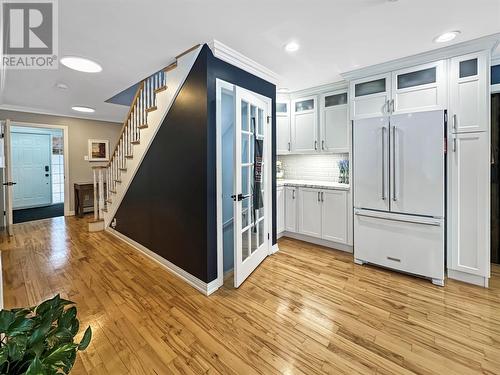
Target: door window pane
x: 255, y: 238
x: 371, y: 87
x: 245, y: 180
x: 304, y: 105
x: 245, y: 145
x: 337, y: 99
x: 281, y: 107
x: 245, y: 213
x: 262, y: 234
x: 420, y: 77
x: 244, y: 115
x: 253, y: 119
x: 245, y: 244
x: 260, y: 122
x: 468, y: 68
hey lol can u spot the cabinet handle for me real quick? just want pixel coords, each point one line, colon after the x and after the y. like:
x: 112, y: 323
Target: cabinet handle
x: 454, y: 144
x: 388, y: 104
x: 394, y: 259
x: 323, y: 145
x: 392, y: 105
x: 454, y: 122
x: 289, y: 146
x: 322, y: 197
x: 319, y: 196
x: 315, y: 145
x: 293, y: 194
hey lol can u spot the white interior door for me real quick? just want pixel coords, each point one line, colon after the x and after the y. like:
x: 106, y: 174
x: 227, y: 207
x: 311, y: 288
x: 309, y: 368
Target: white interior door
x: 252, y: 211
x: 31, y: 169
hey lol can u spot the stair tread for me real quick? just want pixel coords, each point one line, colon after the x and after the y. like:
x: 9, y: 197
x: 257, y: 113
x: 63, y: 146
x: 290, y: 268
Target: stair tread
x: 144, y: 126
x: 135, y: 142
x: 160, y: 89
x: 129, y: 156
x: 151, y: 109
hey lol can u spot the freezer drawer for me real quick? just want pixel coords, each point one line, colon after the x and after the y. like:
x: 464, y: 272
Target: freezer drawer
x: 401, y: 242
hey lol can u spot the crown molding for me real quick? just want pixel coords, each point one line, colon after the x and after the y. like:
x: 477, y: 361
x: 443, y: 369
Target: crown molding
x: 495, y: 60
x: 321, y: 89
x: 233, y: 57
x: 38, y: 111
x: 489, y: 43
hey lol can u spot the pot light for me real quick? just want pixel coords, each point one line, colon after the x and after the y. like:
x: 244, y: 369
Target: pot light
x: 446, y: 37
x: 81, y: 64
x: 79, y: 108
x: 292, y: 47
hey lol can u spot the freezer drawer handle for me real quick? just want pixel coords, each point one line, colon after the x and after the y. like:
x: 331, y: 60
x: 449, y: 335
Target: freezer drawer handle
x: 432, y: 223
x: 394, y: 259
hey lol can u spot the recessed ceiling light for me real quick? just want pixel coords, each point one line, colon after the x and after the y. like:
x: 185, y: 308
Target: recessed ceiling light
x: 292, y: 47
x: 446, y: 37
x: 79, y: 108
x: 81, y: 64
x: 62, y: 86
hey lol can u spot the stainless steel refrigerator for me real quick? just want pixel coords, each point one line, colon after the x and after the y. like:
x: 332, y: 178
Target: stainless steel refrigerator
x: 399, y: 192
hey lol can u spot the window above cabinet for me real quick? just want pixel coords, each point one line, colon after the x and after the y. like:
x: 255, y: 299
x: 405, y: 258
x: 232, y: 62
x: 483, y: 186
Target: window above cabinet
x: 304, y: 105
x: 370, y: 87
x: 417, y: 78
x: 281, y: 107
x: 336, y: 99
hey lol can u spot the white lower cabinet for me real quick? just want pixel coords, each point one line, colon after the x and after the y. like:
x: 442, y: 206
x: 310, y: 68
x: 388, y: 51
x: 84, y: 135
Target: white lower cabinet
x: 280, y: 203
x: 469, y: 219
x: 310, y: 212
x: 291, y: 209
x: 334, y: 215
x: 323, y: 214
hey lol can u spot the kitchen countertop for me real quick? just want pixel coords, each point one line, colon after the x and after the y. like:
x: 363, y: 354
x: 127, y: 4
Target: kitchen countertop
x: 313, y: 184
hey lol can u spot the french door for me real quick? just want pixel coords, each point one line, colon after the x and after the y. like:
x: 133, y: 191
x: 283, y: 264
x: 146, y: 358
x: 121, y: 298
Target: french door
x: 252, y: 212
x: 7, y: 178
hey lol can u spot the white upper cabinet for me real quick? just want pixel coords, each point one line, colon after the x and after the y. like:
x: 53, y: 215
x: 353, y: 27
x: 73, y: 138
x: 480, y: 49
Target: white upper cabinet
x: 334, y: 122
x: 469, y: 93
x: 305, y: 125
x: 419, y: 88
x: 283, y: 138
x: 370, y: 96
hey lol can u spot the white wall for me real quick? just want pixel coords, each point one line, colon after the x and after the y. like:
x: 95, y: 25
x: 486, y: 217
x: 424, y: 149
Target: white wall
x: 79, y: 132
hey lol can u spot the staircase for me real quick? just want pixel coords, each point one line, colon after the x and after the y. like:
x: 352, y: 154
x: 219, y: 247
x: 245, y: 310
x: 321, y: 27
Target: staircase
x: 149, y: 107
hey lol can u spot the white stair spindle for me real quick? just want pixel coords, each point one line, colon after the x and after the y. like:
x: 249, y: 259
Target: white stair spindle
x: 96, y: 213
x: 101, y: 193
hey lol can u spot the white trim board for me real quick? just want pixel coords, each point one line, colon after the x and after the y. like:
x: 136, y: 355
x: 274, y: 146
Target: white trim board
x: 1, y: 282
x: 233, y: 57
x: 205, y: 288
x: 488, y: 42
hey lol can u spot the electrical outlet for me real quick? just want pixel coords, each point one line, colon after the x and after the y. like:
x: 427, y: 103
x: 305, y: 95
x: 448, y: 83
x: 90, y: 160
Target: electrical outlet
x: 86, y: 158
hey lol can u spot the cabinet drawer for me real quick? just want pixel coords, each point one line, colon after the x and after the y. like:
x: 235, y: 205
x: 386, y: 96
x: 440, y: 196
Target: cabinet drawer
x: 395, y: 242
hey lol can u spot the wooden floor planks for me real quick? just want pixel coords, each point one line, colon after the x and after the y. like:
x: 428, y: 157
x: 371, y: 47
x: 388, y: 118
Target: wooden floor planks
x: 305, y: 310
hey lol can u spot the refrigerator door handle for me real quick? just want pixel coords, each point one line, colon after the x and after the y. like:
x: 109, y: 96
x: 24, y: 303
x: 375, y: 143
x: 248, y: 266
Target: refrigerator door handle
x: 394, y: 194
x: 383, y: 162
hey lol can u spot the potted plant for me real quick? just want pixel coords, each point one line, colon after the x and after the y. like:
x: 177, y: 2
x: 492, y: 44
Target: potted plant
x: 40, y: 340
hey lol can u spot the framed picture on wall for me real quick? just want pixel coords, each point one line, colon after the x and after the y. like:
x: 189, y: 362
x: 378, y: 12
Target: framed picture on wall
x: 98, y: 150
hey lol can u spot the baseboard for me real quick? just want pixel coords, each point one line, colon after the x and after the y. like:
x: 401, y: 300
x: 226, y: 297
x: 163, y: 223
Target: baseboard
x: 317, y: 241
x: 70, y: 213
x: 203, y: 287
x: 468, y: 278
x: 275, y: 248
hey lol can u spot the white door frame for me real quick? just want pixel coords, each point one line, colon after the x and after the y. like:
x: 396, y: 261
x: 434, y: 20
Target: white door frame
x: 220, y: 86
x: 64, y: 129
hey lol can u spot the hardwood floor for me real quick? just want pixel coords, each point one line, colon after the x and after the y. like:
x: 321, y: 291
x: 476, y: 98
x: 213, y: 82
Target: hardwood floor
x: 305, y: 310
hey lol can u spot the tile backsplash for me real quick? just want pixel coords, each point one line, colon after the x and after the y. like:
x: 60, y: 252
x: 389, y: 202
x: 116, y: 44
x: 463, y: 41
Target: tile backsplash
x: 312, y: 167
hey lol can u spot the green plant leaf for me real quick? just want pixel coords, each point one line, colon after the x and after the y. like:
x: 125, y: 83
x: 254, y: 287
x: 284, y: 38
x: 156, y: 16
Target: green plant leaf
x: 67, y: 318
x: 36, y: 368
x: 20, y: 326
x: 69, y: 362
x: 59, y: 354
x: 4, y: 355
x: 87, y: 336
x: 6, y: 319
x: 16, y: 347
x: 40, y: 332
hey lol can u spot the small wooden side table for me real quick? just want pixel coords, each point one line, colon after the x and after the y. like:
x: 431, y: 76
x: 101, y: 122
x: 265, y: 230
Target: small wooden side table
x: 84, y: 197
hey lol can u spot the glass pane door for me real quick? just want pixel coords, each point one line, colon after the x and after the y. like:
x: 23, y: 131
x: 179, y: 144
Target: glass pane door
x: 251, y: 233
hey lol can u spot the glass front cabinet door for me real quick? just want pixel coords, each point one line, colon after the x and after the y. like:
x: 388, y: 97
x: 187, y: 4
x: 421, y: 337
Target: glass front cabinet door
x: 370, y: 97
x: 305, y: 125
x: 334, y: 122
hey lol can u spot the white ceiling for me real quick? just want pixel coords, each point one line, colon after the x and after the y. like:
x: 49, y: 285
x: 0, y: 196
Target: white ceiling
x: 131, y: 38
